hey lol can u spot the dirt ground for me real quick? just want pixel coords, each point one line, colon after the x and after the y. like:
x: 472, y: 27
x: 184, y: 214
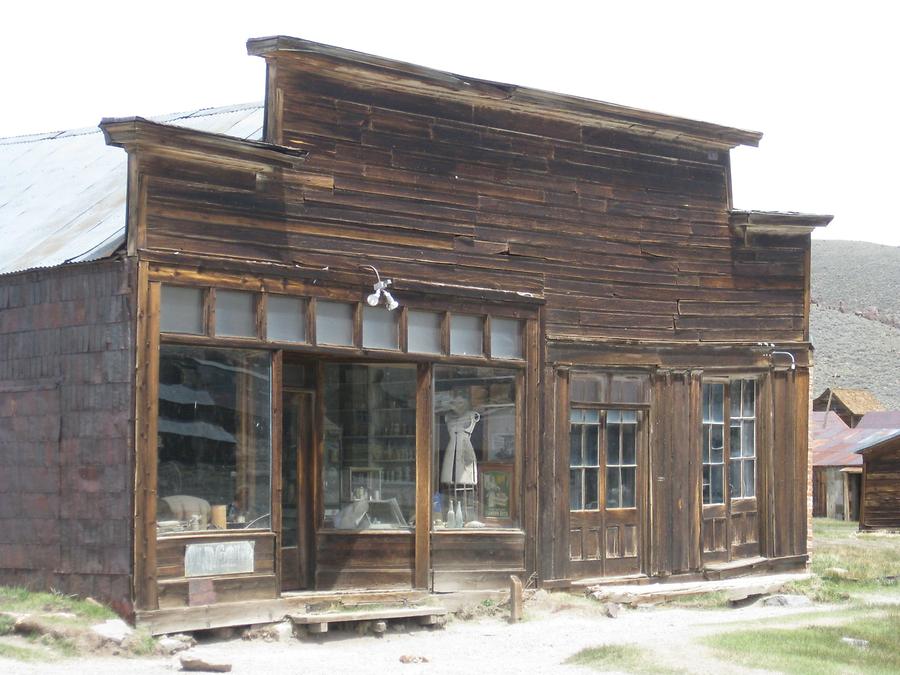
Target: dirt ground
x: 556, y: 627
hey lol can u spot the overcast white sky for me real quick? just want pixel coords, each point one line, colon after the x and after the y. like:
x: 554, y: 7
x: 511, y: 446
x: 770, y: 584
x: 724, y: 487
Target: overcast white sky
x: 819, y: 79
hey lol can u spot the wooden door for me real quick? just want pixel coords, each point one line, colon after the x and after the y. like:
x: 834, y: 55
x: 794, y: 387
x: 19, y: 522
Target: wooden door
x: 606, y: 474
x: 730, y: 517
x: 296, y: 490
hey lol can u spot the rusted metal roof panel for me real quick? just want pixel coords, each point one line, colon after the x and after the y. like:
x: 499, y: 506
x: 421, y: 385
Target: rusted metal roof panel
x: 880, y: 419
x: 842, y: 449
x: 62, y: 194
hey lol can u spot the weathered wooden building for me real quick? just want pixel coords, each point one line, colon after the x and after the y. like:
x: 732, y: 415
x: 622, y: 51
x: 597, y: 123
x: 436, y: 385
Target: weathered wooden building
x: 598, y: 369
x: 880, y: 503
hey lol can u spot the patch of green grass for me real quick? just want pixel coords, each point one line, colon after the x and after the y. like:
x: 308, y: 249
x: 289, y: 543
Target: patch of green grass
x: 818, y: 649
x: 21, y: 600
x: 870, y: 561
x: 619, y: 658
x: 714, y: 600
x: 21, y: 653
x: 6, y: 624
x: 141, y: 643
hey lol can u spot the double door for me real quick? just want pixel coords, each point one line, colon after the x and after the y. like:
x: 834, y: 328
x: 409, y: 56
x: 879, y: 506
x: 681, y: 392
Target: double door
x: 606, y: 475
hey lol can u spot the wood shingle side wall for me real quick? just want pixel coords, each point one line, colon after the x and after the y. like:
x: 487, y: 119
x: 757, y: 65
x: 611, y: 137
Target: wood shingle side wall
x: 66, y: 364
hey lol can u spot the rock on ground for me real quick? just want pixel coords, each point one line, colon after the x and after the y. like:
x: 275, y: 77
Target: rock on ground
x: 204, y: 661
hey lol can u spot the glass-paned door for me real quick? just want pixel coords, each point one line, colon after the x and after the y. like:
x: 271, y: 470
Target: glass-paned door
x: 729, y: 527
x: 605, y: 468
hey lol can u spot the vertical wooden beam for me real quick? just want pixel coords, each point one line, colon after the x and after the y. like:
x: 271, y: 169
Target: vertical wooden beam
x: 424, y: 401
x: 276, y: 458
x: 802, y: 508
x: 261, y: 305
x: 695, y: 470
x: 403, y: 329
x: 146, y: 423
x: 209, y: 311
x: 311, y: 321
x: 532, y: 396
x: 559, y: 487
x: 445, y: 333
x: 486, y: 336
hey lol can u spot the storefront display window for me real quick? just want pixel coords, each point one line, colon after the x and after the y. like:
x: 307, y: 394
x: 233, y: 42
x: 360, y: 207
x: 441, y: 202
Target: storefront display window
x: 369, y: 466
x: 475, y: 447
x: 214, y: 439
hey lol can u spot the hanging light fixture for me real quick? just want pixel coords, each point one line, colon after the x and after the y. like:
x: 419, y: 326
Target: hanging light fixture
x: 380, y: 291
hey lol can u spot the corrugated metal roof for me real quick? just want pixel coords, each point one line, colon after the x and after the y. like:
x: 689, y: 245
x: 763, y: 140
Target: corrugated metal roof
x: 826, y: 424
x: 880, y: 419
x: 62, y: 194
x: 842, y: 449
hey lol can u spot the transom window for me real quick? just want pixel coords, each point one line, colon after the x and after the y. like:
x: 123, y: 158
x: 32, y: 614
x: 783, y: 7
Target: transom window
x: 279, y: 318
x: 739, y: 445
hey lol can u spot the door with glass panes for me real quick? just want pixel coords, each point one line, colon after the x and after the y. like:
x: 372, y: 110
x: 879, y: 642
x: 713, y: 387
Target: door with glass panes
x: 730, y: 523
x: 605, y: 476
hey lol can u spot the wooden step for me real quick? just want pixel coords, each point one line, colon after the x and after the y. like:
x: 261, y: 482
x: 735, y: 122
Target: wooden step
x: 317, y: 622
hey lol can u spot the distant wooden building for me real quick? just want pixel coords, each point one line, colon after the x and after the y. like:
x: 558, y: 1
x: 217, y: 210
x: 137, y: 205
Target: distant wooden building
x: 223, y: 413
x: 881, y: 484
x: 850, y: 404
x: 836, y: 468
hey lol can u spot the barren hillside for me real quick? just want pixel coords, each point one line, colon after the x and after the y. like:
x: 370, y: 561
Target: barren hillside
x: 855, y: 318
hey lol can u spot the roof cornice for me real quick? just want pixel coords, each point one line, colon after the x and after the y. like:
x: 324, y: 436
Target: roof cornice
x: 408, y: 77
x: 140, y: 134
x: 780, y: 223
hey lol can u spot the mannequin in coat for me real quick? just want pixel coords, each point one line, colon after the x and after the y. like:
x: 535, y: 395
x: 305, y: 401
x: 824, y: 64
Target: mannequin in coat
x: 459, y: 467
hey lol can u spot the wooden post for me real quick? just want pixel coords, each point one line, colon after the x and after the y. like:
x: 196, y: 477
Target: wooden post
x: 515, y: 599
x: 423, y: 477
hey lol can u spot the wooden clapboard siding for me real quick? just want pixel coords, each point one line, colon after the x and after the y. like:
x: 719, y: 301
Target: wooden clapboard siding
x: 881, y: 488
x: 366, y: 559
x: 476, y: 559
x: 626, y: 236
x: 176, y: 590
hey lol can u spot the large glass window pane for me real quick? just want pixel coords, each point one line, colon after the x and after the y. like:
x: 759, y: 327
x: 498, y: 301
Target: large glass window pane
x: 576, y: 457
x: 717, y: 444
x: 369, y: 467
x: 575, y: 502
x: 285, y: 319
x: 748, y: 438
x: 717, y: 402
x: 334, y: 323
x: 592, y: 445
x: 612, y: 444
x: 717, y: 483
x: 214, y: 446
x: 629, y: 444
x: 235, y: 314
x: 466, y: 335
x: 613, y: 489
x: 735, y: 441
x: 424, y: 332
x: 181, y: 310
x: 591, y: 489
x: 749, y: 406
x: 734, y: 478
x: 506, y: 338
x: 749, y: 477
x: 735, y: 397
x: 628, y: 487
x: 380, y: 328
x: 475, y: 451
